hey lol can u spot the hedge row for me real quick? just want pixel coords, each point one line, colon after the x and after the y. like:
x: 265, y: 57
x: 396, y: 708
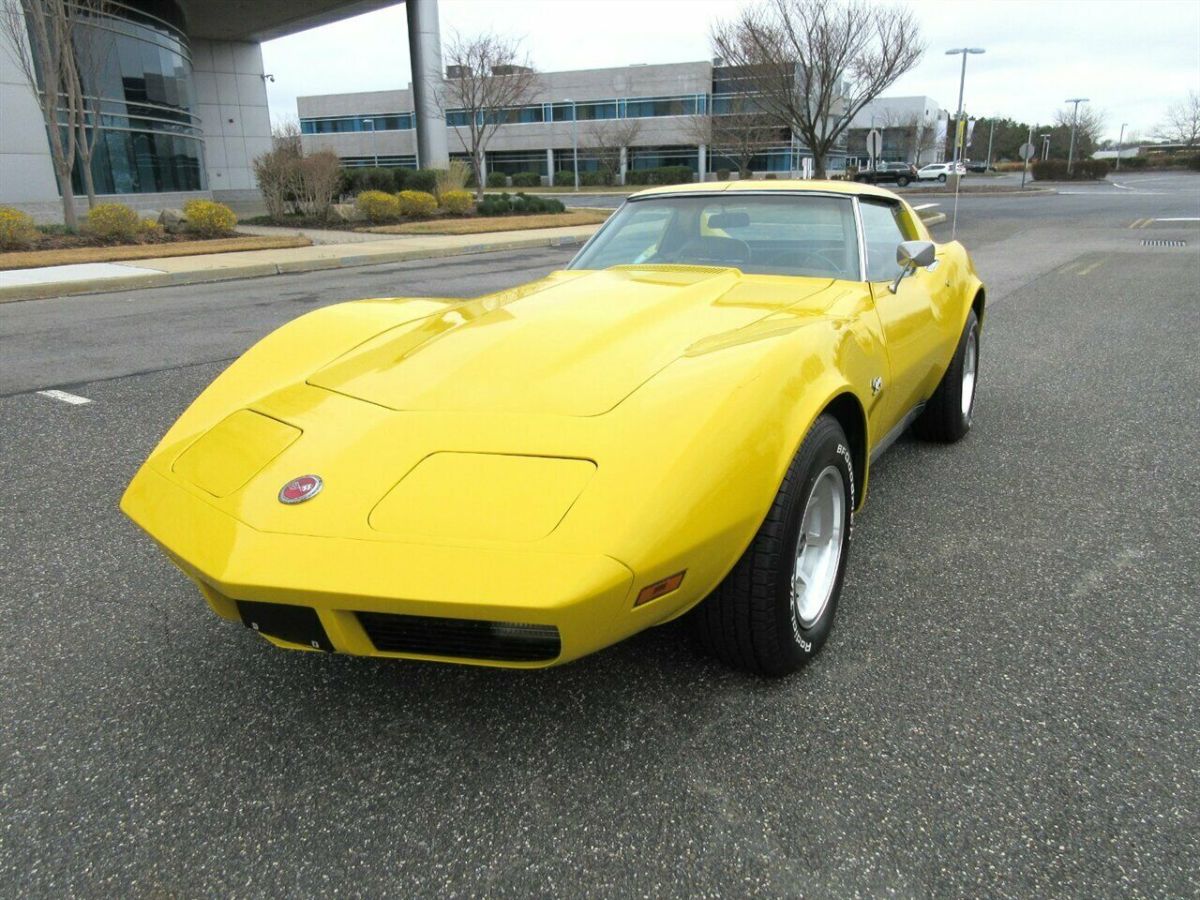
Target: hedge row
x: 379, y: 206
x: 506, y: 204
x: 118, y: 223
x: 17, y: 229
x: 661, y: 175
x: 1083, y: 170
x: 390, y: 181
x: 1159, y: 161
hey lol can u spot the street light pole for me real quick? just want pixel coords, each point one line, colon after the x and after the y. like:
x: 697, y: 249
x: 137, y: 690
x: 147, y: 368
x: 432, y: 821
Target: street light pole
x: 574, y: 141
x: 1120, y: 141
x: 962, y: 80
x: 1028, y: 147
x: 1074, y: 122
x: 1045, y: 146
x: 991, y: 135
x: 374, y: 145
x: 874, y: 163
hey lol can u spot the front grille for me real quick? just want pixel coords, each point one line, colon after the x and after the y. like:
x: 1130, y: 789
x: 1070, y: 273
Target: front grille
x: 465, y: 638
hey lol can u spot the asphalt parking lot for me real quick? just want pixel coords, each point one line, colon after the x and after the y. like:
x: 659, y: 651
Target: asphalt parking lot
x: 1009, y: 705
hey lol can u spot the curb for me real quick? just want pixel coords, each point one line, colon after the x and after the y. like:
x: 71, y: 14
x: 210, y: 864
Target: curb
x: 49, y: 290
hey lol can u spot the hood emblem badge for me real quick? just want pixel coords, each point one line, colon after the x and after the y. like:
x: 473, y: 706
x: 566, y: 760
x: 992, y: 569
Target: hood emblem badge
x: 876, y: 386
x: 300, y: 489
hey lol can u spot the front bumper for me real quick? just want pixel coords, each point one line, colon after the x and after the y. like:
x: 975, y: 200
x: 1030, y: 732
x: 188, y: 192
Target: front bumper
x: 586, y: 598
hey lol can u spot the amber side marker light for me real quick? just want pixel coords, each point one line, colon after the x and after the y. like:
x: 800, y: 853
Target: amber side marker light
x: 660, y: 588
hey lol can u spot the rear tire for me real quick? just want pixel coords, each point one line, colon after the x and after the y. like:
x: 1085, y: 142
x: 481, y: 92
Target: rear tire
x: 775, y: 609
x: 902, y: 181
x: 947, y: 415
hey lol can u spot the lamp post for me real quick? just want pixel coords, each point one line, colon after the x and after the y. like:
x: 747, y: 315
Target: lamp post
x: 1074, y: 122
x: 1045, y: 146
x: 374, y: 145
x: 574, y: 141
x: 991, y: 135
x: 962, y: 80
x: 1120, y: 141
x: 874, y: 162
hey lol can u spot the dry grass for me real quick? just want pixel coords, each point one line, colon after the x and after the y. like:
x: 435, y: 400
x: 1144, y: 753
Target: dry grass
x: 29, y: 259
x: 484, y: 224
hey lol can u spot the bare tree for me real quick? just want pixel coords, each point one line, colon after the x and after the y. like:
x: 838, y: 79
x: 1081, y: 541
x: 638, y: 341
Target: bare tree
x: 278, y: 170
x: 605, y: 139
x: 487, y: 78
x: 317, y: 182
x: 285, y: 135
x: 1088, y: 128
x: 1182, y: 123
x: 739, y: 133
x: 815, y: 63
x: 38, y: 36
x: 92, y: 49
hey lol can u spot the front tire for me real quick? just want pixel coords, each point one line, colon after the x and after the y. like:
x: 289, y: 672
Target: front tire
x: 942, y: 178
x: 775, y: 609
x: 947, y: 415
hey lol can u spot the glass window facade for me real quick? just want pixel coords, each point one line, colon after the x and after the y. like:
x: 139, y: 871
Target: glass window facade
x: 564, y: 160
x: 402, y: 121
x: 656, y: 157
x: 585, y: 111
x: 688, y: 105
x: 385, y: 161
x: 514, y: 161
x: 773, y: 159
x: 135, y: 62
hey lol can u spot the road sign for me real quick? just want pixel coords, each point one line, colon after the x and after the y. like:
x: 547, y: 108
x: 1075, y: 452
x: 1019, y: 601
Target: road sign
x: 874, y: 143
x: 1026, y: 153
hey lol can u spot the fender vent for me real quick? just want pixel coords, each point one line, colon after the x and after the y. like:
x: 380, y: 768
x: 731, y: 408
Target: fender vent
x: 1162, y: 243
x: 463, y: 638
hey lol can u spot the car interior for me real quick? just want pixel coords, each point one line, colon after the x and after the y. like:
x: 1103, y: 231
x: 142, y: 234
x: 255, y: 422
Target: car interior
x: 784, y: 235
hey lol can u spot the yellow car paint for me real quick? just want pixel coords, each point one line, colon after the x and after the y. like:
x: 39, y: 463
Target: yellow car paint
x: 611, y: 429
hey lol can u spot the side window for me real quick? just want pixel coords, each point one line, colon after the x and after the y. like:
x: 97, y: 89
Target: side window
x: 883, y: 230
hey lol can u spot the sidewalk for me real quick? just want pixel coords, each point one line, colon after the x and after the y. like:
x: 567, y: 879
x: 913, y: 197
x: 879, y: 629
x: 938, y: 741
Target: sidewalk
x: 58, y: 281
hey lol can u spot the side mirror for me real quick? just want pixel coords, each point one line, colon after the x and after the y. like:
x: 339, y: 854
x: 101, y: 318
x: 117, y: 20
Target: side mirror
x: 912, y: 255
x: 915, y: 253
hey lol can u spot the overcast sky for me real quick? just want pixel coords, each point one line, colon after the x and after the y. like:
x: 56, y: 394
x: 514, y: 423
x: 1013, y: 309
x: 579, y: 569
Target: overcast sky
x: 1132, y: 59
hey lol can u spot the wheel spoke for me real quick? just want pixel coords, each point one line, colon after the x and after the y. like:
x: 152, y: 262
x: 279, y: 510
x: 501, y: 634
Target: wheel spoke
x: 818, y: 547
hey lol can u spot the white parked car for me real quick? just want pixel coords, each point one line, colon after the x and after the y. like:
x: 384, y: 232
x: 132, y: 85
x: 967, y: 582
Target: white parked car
x: 939, y: 171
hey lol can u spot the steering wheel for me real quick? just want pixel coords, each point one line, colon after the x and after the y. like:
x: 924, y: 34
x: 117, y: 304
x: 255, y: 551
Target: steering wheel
x: 713, y: 251
x: 799, y: 257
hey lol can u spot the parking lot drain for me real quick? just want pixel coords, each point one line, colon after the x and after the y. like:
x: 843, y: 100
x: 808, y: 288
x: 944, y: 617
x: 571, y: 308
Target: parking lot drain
x: 1161, y: 243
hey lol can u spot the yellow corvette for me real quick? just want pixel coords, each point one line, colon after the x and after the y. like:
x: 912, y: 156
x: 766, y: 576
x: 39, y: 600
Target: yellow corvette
x: 682, y: 420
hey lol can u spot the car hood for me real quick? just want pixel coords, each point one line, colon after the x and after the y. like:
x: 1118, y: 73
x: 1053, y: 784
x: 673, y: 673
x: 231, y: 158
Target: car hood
x: 576, y: 343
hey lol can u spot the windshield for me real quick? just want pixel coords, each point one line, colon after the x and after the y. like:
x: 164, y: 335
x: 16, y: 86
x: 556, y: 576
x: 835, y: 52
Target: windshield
x: 785, y: 234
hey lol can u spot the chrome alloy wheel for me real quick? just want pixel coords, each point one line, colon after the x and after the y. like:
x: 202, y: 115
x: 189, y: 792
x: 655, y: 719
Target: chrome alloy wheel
x: 970, y: 360
x: 819, y: 547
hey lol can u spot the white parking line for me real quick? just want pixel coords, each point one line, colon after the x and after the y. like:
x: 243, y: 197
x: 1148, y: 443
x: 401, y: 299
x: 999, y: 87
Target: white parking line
x: 1109, y: 194
x: 1180, y: 219
x: 927, y: 206
x: 73, y: 399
